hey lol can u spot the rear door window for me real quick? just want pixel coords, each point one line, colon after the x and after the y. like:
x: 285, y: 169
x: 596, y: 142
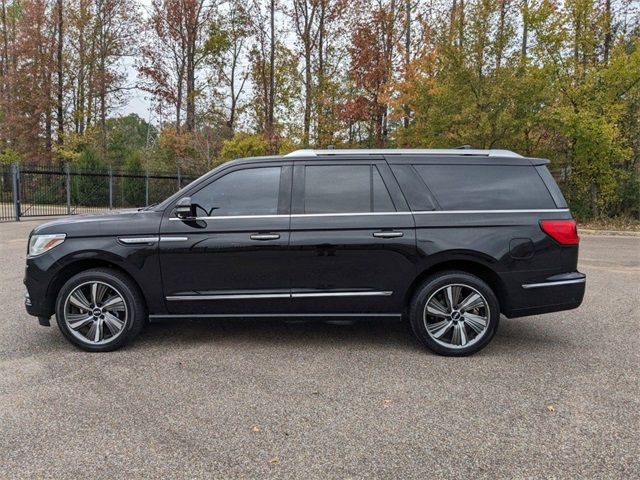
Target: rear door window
x: 345, y: 189
x: 486, y: 187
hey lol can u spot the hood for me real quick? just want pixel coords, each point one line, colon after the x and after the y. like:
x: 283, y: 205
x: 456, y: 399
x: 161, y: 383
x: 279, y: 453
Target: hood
x: 113, y: 223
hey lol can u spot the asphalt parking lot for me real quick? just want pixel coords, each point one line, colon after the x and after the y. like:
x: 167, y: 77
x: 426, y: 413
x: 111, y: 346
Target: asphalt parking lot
x: 554, y: 396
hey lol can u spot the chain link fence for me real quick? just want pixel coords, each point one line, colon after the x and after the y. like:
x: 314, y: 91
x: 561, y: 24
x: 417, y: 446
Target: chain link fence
x: 38, y: 191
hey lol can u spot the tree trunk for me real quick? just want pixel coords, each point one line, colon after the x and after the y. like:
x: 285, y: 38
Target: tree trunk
x: 501, y: 41
x: 191, y: 91
x: 407, y: 57
x: 607, y: 34
x: 272, y: 80
x: 307, y: 95
x: 525, y: 27
x: 60, y: 68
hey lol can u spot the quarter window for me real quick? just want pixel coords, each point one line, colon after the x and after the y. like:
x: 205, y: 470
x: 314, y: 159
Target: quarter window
x: 345, y: 189
x: 252, y: 191
x: 486, y: 187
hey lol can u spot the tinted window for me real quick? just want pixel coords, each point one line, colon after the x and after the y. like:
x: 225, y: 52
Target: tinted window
x: 486, y: 187
x: 413, y: 188
x: 252, y: 191
x: 345, y: 189
x: 552, y: 186
x: 381, y: 199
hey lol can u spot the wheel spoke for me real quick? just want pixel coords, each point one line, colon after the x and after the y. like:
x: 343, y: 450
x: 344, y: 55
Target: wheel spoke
x: 462, y: 333
x: 435, y: 308
x: 99, y: 329
x: 77, y: 320
x: 77, y: 299
x: 474, y: 300
x: 434, y: 327
x: 476, y: 322
x: 94, y: 293
x: 114, y: 324
x: 451, y: 294
x: 442, y: 330
x: 100, y: 292
x: 115, y: 303
x: 93, y: 330
x: 455, y: 335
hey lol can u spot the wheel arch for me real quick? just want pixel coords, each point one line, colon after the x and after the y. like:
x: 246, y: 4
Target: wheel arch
x: 476, y: 268
x: 80, y: 265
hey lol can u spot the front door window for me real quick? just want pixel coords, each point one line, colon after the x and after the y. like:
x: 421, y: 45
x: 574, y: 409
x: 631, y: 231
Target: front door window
x: 252, y: 191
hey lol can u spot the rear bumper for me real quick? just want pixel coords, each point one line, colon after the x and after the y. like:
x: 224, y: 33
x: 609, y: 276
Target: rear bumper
x: 555, y: 293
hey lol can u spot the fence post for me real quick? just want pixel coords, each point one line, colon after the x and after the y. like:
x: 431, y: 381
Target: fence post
x: 110, y: 188
x: 15, y: 176
x: 67, y: 171
x: 146, y: 189
x: 179, y: 179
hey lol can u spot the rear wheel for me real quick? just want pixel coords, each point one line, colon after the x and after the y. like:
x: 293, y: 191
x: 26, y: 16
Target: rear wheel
x: 100, y: 310
x: 454, y: 313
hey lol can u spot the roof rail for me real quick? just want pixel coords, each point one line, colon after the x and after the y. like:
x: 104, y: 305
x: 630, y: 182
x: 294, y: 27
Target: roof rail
x: 405, y: 151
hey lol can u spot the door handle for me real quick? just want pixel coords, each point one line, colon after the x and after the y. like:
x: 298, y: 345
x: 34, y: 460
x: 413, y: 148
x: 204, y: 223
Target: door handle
x: 388, y: 234
x: 265, y: 236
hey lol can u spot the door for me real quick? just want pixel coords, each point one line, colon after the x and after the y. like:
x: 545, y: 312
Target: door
x: 352, y: 238
x: 232, y: 258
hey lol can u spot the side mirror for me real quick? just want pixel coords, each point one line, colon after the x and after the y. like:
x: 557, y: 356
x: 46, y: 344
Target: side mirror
x: 184, y: 209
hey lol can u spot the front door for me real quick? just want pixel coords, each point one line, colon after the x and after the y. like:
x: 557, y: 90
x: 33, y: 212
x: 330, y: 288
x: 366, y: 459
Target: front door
x: 352, y: 238
x: 232, y: 259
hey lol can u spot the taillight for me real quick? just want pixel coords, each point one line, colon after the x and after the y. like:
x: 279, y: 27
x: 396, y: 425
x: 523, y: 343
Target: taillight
x: 565, y: 232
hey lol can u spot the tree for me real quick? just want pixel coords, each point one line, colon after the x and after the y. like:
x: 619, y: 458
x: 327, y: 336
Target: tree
x: 225, y: 46
x: 173, y: 53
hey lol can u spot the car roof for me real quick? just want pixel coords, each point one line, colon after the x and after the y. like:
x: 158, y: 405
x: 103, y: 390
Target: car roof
x: 405, y: 151
x: 405, y: 155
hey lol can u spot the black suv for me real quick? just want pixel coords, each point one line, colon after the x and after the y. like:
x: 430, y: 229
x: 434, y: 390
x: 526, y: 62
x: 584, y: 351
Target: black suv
x: 449, y: 239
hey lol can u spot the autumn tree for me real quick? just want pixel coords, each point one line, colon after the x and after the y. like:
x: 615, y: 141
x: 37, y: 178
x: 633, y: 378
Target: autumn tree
x: 372, y: 51
x: 226, y: 47
x: 174, y: 52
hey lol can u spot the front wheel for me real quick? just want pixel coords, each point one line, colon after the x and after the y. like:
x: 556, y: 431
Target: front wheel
x: 454, y: 313
x: 100, y: 310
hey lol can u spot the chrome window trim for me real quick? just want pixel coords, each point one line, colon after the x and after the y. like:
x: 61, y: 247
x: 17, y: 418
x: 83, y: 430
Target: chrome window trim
x: 228, y: 217
x: 294, y: 215
x: 347, y: 214
x: 357, y: 214
x: 527, y: 286
x: 533, y: 210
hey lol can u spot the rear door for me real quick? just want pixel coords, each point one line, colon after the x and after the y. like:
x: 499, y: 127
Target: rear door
x: 352, y: 238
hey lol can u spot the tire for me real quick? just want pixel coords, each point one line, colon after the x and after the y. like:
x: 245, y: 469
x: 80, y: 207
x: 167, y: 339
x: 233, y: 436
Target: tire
x: 116, y: 318
x: 450, y: 333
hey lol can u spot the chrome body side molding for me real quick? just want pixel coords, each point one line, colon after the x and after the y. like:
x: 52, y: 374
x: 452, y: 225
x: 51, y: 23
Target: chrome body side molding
x: 274, y: 315
x: 254, y: 296
x: 138, y: 240
x: 527, y: 286
x: 143, y: 240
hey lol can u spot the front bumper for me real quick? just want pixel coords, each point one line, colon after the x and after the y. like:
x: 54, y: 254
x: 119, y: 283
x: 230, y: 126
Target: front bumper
x: 36, y: 301
x: 553, y: 294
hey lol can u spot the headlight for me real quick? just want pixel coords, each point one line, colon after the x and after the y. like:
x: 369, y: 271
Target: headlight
x: 40, y: 244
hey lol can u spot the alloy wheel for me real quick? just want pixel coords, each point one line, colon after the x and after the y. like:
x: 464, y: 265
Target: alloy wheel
x: 95, y: 313
x: 456, y: 316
